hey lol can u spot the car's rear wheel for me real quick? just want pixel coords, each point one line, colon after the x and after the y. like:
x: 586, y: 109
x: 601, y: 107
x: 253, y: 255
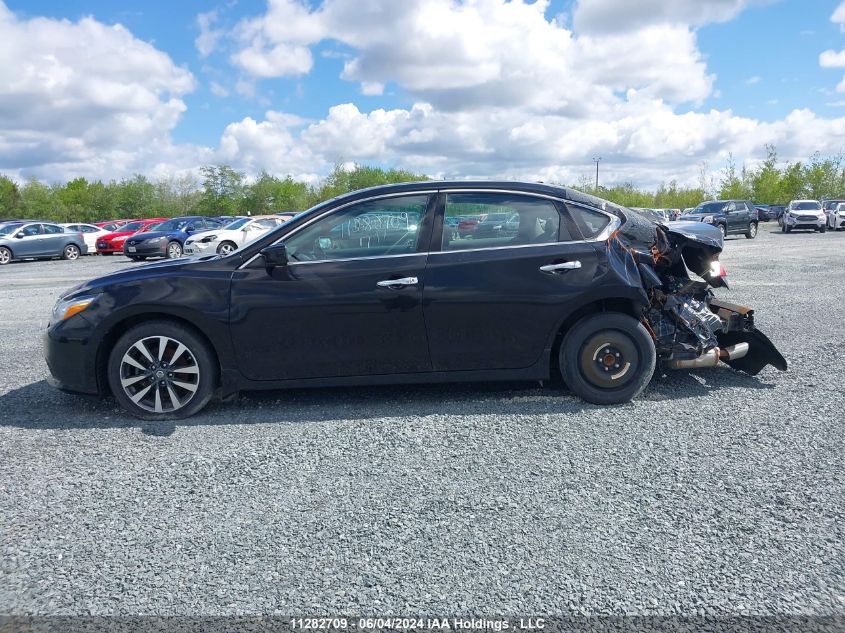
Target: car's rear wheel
x: 5, y: 255
x: 226, y: 248
x: 161, y: 370
x: 751, y: 233
x: 71, y: 252
x: 174, y: 250
x: 607, y: 358
x: 723, y: 230
x: 823, y: 228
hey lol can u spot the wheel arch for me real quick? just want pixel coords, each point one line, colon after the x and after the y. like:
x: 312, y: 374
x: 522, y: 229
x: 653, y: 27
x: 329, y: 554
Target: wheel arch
x: 120, y: 327
x: 629, y: 305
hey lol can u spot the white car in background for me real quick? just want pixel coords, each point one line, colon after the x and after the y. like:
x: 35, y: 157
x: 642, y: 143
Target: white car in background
x: 231, y: 237
x: 804, y: 214
x: 836, y: 217
x: 90, y: 233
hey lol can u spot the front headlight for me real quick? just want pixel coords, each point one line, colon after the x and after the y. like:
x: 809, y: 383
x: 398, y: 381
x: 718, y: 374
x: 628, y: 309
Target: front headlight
x: 708, y: 219
x: 66, y: 308
x: 156, y: 240
x: 210, y: 238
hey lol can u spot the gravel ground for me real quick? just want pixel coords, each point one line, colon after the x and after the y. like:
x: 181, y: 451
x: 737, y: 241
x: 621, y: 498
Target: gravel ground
x: 714, y: 493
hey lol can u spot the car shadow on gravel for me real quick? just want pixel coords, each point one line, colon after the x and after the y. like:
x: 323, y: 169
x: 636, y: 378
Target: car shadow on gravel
x: 38, y: 406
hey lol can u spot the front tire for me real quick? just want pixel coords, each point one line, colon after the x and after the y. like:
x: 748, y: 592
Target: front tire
x: 71, y: 252
x: 607, y: 358
x: 723, y: 230
x: 161, y: 370
x: 823, y: 228
x: 174, y: 250
x: 751, y: 233
x: 226, y: 248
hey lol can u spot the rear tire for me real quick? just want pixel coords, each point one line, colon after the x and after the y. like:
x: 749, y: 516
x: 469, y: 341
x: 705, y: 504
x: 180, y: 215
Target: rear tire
x: 751, y: 233
x: 723, y: 230
x: 186, y: 365
x: 823, y: 228
x: 607, y: 358
x: 5, y: 255
x: 71, y: 252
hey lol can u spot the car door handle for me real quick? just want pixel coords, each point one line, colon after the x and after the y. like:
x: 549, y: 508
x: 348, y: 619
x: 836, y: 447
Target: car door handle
x: 398, y: 283
x: 553, y: 268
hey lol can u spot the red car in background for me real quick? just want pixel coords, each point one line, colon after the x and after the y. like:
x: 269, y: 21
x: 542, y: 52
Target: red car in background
x: 113, y: 242
x: 111, y: 225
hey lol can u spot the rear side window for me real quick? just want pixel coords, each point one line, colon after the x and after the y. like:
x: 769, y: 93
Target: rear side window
x: 493, y: 220
x: 52, y: 229
x: 590, y: 222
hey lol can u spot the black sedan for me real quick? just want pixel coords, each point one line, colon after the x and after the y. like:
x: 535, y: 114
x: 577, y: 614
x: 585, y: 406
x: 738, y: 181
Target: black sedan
x: 369, y: 288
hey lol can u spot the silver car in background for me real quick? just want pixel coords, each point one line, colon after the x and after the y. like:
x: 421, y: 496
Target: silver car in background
x: 37, y: 240
x: 804, y: 215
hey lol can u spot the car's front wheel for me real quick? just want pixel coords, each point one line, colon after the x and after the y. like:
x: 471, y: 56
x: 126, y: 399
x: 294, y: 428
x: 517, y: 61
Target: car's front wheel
x: 174, y: 250
x: 71, y: 252
x: 161, y: 370
x: 226, y: 248
x: 723, y: 230
x: 607, y: 358
x: 751, y: 233
x: 823, y: 228
x: 5, y: 255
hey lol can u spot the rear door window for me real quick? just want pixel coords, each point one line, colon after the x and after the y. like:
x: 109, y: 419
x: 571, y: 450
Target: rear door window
x: 589, y: 221
x: 495, y: 220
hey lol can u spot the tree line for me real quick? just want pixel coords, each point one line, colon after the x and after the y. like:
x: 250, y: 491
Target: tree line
x: 221, y: 190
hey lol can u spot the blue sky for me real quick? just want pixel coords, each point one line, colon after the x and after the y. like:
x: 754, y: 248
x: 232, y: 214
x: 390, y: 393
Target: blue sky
x: 750, y: 66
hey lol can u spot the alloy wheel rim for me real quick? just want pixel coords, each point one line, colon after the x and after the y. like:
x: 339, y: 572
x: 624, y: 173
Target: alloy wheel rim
x: 159, y: 374
x: 753, y: 229
x: 72, y: 252
x: 175, y: 250
x: 226, y: 249
x: 4, y: 256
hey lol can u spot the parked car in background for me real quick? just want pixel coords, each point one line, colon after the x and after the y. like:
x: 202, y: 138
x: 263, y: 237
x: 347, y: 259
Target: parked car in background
x: 226, y: 240
x: 112, y: 243
x: 776, y: 212
x: 90, y: 233
x: 829, y: 207
x: 168, y: 240
x: 111, y: 225
x: 332, y: 298
x: 37, y: 240
x: 804, y: 215
x: 731, y: 217
x: 836, y: 217
x: 762, y: 212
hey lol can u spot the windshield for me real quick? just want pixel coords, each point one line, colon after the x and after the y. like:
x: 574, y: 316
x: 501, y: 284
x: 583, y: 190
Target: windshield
x: 172, y: 225
x: 808, y: 205
x: 832, y: 204
x: 8, y: 228
x: 237, y: 224
x: 710, y: 207
x: 132, y: 226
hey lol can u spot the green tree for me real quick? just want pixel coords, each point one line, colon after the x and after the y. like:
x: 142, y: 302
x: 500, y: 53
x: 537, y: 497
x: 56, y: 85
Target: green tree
x: 10, y: 198
x: 222, y: 190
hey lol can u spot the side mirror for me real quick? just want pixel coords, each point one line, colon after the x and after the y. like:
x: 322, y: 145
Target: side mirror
x: 189, y: 229
x: 275, y: 256
x: 20, y: 235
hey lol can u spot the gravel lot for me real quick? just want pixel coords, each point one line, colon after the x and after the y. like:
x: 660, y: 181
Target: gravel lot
x: 714, y: 493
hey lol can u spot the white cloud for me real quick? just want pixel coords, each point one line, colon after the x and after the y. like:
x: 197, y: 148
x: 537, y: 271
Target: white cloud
x: 753, y: 80
x: 83, y: 94
x: 838, y: 16
x: 218, y: 89
x: 625, y: 15
x: 832, y: 59
x: 206, y: 41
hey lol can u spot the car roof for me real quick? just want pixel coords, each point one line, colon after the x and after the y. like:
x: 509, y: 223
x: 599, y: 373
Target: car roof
x: 556, y: 191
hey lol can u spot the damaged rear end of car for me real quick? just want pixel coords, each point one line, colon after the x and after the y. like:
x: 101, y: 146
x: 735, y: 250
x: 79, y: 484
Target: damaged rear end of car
x: 676, y: 267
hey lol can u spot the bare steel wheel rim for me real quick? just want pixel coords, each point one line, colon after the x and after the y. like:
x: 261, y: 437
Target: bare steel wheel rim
x: 174, y: 250
x: 159, y: 374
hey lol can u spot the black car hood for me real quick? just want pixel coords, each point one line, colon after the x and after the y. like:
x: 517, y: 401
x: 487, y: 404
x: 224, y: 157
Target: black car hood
x: 152, y: 235
x: 152, y: 269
